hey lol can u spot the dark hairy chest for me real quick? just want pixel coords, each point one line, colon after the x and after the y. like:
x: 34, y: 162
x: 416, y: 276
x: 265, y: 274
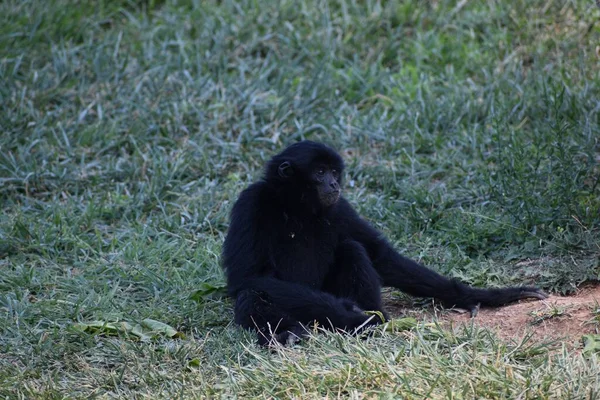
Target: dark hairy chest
x: 305, y: 250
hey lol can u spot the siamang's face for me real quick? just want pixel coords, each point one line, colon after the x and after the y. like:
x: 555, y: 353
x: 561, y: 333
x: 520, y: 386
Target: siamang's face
x: 327, y: 182
x: 309, y: 165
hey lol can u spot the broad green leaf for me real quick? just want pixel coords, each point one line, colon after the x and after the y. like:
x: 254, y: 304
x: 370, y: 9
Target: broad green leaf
x: 145, y: 331
x: 157, y: 328
x: 104, y: 327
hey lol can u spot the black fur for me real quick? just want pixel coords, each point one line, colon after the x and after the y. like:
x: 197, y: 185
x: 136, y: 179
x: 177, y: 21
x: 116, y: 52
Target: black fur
x: 297, y: 253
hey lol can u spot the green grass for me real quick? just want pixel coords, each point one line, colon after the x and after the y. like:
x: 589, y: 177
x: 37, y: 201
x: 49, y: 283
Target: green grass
x: 127, y: 129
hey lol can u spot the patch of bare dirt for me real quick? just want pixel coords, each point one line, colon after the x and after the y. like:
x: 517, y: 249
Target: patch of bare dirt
x: 564, y: 319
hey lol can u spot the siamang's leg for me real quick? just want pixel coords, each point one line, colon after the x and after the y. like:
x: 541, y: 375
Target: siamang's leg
x: 353, y: 277
x: 270, y: 300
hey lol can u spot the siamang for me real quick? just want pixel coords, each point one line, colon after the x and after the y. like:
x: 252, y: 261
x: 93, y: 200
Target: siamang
x: 297, y: 253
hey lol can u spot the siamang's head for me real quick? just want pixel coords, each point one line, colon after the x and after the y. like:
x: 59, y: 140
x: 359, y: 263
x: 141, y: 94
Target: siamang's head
x: 309, y: 168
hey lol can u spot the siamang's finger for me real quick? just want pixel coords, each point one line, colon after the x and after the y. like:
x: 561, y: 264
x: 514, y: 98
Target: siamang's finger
x: 534, y: 294
x: 294, y: 335
x: 288, y: 338
x: 475, y: 310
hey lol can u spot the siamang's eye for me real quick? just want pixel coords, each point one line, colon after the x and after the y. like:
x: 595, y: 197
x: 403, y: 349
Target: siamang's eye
x: 321, y: 172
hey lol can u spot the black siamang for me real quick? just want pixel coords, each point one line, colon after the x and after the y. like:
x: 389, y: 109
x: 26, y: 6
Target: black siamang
x: 297, y: 253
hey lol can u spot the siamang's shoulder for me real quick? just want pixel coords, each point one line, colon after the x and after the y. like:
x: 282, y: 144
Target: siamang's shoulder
x: 253, y: 191
x: 254, y: 199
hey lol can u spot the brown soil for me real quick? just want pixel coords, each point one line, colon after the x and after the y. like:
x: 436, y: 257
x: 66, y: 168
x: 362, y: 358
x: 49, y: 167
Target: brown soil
x: 561, y: 319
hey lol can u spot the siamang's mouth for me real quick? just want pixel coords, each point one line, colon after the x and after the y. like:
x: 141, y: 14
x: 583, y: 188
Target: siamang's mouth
x: 329, y: 199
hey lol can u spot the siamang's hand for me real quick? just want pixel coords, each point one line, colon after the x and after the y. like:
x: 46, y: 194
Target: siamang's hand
x: 527, y: 292
x: 471, y: 299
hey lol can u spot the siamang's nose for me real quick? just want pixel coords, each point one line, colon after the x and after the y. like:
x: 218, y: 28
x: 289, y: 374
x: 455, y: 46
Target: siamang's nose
x: 334, y: 185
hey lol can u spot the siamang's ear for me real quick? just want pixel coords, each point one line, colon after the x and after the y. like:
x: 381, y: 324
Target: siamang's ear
x: 285, y: 169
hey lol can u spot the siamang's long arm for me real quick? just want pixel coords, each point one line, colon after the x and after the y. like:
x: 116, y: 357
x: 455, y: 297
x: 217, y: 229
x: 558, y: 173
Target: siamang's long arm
x: 417, y: 280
